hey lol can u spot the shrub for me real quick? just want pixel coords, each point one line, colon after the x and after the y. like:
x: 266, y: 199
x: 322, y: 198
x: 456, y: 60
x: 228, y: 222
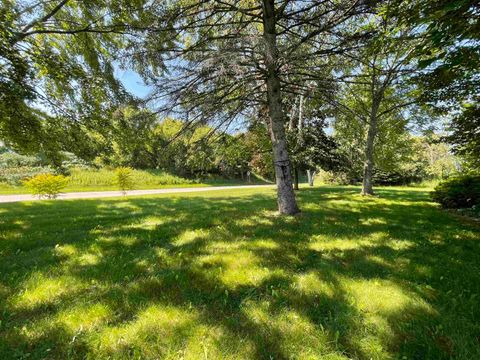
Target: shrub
x: 332, y: 178
x: 458, y: 192
x: 124, y: 179
x: 15, y: 168
x: 46, y: 185
x: 404, y: 177
x: 15, y: 176
x: 11, y: 160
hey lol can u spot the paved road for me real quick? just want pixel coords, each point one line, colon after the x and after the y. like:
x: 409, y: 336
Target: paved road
x: 104, y: 194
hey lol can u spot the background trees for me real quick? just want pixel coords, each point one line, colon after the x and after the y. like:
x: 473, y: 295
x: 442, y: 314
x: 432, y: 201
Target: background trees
x: 449, y: 57
x: 240, y: 85
x: 375, y: 94
x: 56, y: 73
x: 227, y: 60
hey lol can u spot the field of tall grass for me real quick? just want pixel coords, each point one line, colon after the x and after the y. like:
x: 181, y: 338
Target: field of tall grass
x: 106, y: 177
x: 81, y: 179
x: 88, y: 179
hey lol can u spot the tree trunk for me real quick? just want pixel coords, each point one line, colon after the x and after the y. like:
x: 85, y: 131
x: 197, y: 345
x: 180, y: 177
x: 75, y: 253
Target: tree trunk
x: 367, y: 185
x: 300, y: 115
x: 283, y: 173
x: 311, y: 176
x: 295, y: 173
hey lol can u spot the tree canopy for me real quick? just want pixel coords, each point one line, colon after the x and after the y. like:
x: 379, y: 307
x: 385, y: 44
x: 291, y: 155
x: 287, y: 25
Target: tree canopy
x: 280, y: 71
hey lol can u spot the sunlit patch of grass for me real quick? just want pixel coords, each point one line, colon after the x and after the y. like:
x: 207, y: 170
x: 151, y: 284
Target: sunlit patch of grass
x: 65, y: 251
x: 236, y: 268
x: 311, y: 284
x: 190, y: 236
x: 223, y: 276
x: 372, y: 221
x: 76, y: 320
x: 156, y: 332
x: 378, y: 296
x: 295, y: 333
x: 41, y: 289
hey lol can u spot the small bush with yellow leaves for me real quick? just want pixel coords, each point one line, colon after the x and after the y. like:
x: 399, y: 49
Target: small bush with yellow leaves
x: 124, y: 179
x: 46, y: 186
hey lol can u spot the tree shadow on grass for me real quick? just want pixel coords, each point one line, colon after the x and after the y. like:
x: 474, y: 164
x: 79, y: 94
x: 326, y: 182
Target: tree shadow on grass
x: 350, y: 277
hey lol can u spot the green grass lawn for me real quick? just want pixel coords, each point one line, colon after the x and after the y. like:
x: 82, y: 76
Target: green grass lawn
x: 220, y: 276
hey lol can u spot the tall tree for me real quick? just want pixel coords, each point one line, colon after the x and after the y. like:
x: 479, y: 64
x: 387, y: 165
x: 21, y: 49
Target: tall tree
x: 56, y: 72
x: 229, y: 60
x: 449, y: 58
x: 375, y: 83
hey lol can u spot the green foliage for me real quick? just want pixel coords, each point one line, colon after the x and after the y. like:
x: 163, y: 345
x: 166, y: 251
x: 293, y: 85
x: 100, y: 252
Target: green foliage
x: 435, y: 157
x: 400, y: 157
x: 45, y: 66
x: 333, y: 178
x: 404, y: 177
x: 311, y: 148
x: 260, y: 145
x: 131, y: 139
x: 139, y: 140
x: 46, y: 185
x: 465, y: 134
x: 449, y: 57
x: 14, y: 168
x: 458, y: 192
x: 12, y: 159
x: 232, y: 155
x: 124, y: 179
x: 449, y: 53
x: 394, y: 147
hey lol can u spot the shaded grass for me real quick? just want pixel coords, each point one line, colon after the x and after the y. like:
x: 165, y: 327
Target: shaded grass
x: 220, y: 275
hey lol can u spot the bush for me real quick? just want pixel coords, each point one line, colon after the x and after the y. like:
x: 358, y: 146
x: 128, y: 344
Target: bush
x: 11, y: 160
x: 458, y: 192
x: 15, y: 176
x: 332, y: 178
x: 14, y: 168
x: 404, y: 177
x: 124, y: 179
x: 46, y: 185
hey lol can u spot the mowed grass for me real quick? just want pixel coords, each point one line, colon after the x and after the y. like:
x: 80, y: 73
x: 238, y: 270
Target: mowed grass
x: 220, y: 276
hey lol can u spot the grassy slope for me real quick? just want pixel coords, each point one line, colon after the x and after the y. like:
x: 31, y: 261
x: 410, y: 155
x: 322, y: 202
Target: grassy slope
x: 219, y: 275
x: 104, y: 180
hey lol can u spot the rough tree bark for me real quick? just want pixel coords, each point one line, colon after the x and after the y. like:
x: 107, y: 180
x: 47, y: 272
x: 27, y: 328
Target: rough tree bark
x: 367, y: 184
x: 283, y: 172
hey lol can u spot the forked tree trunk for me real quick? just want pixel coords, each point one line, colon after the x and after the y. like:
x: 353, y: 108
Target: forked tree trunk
x: 283, y: 170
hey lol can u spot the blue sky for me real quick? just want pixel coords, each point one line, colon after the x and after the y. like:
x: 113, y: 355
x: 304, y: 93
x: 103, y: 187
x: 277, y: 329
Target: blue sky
x: 132, y: 82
